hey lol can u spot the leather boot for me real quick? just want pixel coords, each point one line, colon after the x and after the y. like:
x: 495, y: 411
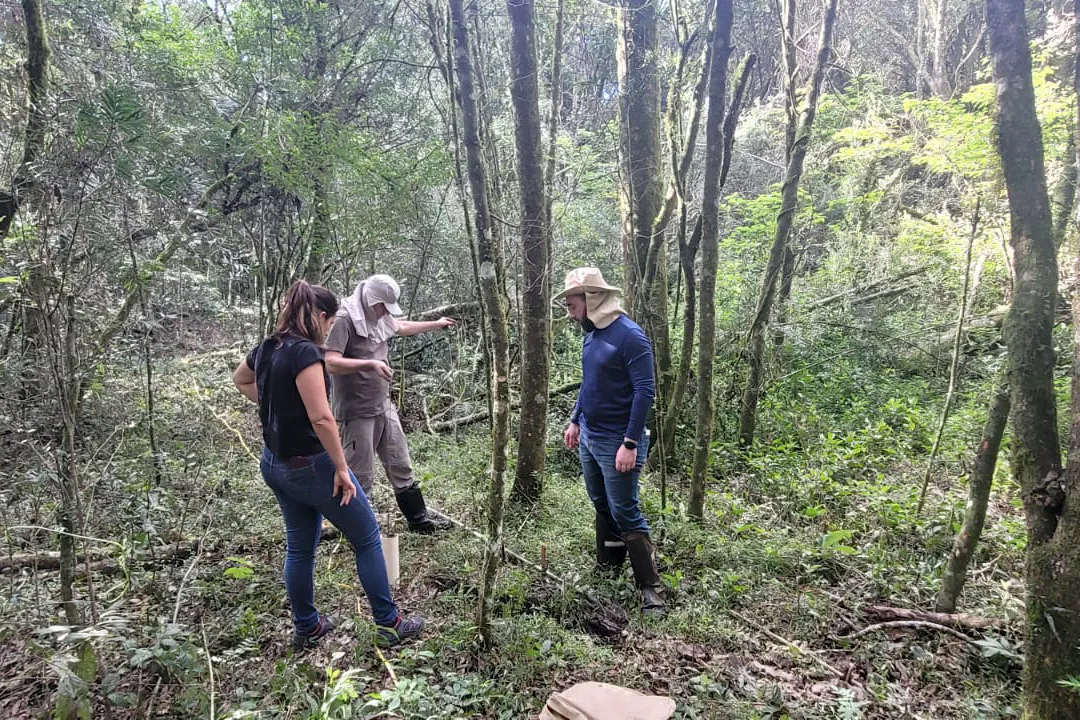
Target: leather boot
x: 411, y: 502
x: 610, y: 548
x: 640, y: 548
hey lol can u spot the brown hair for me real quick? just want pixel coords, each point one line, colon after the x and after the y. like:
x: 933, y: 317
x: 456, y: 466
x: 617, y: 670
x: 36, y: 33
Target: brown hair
x: 298, y: 315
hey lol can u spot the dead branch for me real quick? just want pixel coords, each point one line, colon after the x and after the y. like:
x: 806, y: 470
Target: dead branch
x: 756, y: 625
x: 884, y: 286
x: 455, y: 310
x: 953, y: 620
x: 481, y: 415
x: 916, y: 624
x: 50, y: 560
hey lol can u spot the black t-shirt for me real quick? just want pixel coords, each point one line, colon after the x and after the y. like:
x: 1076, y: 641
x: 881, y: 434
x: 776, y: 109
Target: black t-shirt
x: 286, y: 428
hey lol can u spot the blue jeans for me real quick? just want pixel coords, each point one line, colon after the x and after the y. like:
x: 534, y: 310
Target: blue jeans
x: 306, y: 495
x: 613, y: 493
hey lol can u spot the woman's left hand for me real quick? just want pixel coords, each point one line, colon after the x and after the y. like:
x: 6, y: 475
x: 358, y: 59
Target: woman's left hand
x: 343, y: 483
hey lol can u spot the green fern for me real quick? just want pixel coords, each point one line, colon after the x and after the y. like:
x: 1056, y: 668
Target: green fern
x: 1072, y: 682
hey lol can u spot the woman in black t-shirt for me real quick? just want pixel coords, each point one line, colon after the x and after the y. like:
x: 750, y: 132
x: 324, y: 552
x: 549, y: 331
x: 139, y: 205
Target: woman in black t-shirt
x: 304, y: 464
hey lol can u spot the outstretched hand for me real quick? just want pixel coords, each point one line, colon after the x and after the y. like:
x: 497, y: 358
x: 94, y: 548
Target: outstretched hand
x: 446, y: 322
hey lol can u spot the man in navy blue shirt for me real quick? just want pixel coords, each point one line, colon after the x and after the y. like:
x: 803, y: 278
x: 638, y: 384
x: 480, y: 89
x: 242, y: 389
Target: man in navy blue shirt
x: 607, y: 426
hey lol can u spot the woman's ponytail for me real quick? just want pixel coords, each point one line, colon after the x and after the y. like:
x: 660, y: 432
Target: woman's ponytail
x: 299, y: 313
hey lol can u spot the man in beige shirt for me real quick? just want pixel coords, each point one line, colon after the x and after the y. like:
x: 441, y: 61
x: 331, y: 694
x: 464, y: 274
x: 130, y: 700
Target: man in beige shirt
x: 357, y: 355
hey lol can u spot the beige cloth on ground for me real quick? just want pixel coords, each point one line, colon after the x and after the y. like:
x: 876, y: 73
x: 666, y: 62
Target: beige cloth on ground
x: 601, y: 701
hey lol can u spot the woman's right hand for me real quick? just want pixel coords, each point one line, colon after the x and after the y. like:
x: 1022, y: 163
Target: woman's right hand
x: 343, y: 484
x: 383, y: 370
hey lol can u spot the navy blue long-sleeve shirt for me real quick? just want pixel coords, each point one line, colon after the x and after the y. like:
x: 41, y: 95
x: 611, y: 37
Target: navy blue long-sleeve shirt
x: 617, y: 385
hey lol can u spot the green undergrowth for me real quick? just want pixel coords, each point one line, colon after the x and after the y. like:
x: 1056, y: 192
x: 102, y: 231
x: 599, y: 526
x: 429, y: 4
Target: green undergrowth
x: 800, y: 537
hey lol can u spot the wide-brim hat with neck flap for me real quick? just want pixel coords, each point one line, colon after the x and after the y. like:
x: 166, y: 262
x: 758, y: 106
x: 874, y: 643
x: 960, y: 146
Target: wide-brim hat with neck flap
x: 580, y: 281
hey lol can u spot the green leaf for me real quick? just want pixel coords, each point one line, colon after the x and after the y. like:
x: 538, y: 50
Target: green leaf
x: 834, y: 538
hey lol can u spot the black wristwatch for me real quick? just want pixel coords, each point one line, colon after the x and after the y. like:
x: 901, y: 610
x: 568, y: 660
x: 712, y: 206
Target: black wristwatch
x: 629, y: 444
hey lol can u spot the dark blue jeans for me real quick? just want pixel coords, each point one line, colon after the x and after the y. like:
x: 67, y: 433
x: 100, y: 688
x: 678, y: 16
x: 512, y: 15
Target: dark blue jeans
x: 613, y: 493
x: 306, y: 495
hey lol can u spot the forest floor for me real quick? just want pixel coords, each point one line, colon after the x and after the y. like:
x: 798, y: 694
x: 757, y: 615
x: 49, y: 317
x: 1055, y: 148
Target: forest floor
x: 761, y: 594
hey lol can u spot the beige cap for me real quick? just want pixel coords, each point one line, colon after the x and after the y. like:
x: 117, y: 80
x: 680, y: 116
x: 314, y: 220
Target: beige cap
x: 383, y: 289
x: 585, y: 280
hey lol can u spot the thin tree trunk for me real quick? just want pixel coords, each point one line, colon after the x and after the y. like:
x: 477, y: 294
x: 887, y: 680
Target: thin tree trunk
x: 1051, y: 502
x: 445, y: 62
x: 789, y: 203
x: 491, y: 291
x: 982, y: 478
x: 954, y: 364
x: 68, y: 386
x: 536, y: 330
x: 939, y: 75
x: 710, y: 202
x: 641, y: 190
x: 1064, y: 199
x: 681, y: 164
x: 787, y: 276
x: 321, y: 222
x: 553, y: 119
x: 687, y: 254
x: 921, y: 74
x: 791, y: 69
x: 670, y: 396
x: 37, y: 67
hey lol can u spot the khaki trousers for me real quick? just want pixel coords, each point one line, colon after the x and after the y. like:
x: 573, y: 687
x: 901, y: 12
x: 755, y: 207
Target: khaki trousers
x: 364, y: 438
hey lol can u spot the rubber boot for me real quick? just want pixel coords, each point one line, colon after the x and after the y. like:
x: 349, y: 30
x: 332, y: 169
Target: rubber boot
x: 640, y: 548
x: 411, y: 502
x: 610, y: 548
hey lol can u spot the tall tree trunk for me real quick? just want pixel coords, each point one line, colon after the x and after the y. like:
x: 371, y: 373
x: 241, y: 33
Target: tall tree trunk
x: 939, y: 71
x: 784, y: 221
x: 791, y: 69
x: 438, y: 25
x: 710, y: 203
x: 682, y: 154
x: 982, y: 478
x: 553, y: 119
x: 641, y: 187
x: 37, y: 69
x: 321, y: 223
x: 1051, y: 501
x: 491, y: 291
x: 536, y: 330
x: 68, y: 387
x: 688, y: 250
x: 954, y: 363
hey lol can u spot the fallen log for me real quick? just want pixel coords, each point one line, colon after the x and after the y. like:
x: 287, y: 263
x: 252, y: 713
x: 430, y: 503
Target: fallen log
x: 47, y: 560
x: 481, y: 415
x: 870, y: 291
x: 951, y: 620
x: 100, y: 562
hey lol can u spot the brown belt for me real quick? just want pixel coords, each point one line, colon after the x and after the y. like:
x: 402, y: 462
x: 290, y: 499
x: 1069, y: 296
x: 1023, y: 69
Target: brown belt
x: 299, y: 461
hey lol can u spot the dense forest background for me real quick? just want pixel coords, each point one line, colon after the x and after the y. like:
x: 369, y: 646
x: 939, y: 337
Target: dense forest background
x: 808, y: 207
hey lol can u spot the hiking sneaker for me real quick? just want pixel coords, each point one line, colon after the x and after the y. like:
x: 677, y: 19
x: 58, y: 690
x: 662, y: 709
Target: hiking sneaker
x: 399, y: 632
x: 308, y: 640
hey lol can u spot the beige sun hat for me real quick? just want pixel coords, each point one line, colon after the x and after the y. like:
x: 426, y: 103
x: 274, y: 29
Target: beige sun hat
x: 582, y: 280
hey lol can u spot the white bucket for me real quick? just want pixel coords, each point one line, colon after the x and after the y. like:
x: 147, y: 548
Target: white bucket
x: 392, y: 558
